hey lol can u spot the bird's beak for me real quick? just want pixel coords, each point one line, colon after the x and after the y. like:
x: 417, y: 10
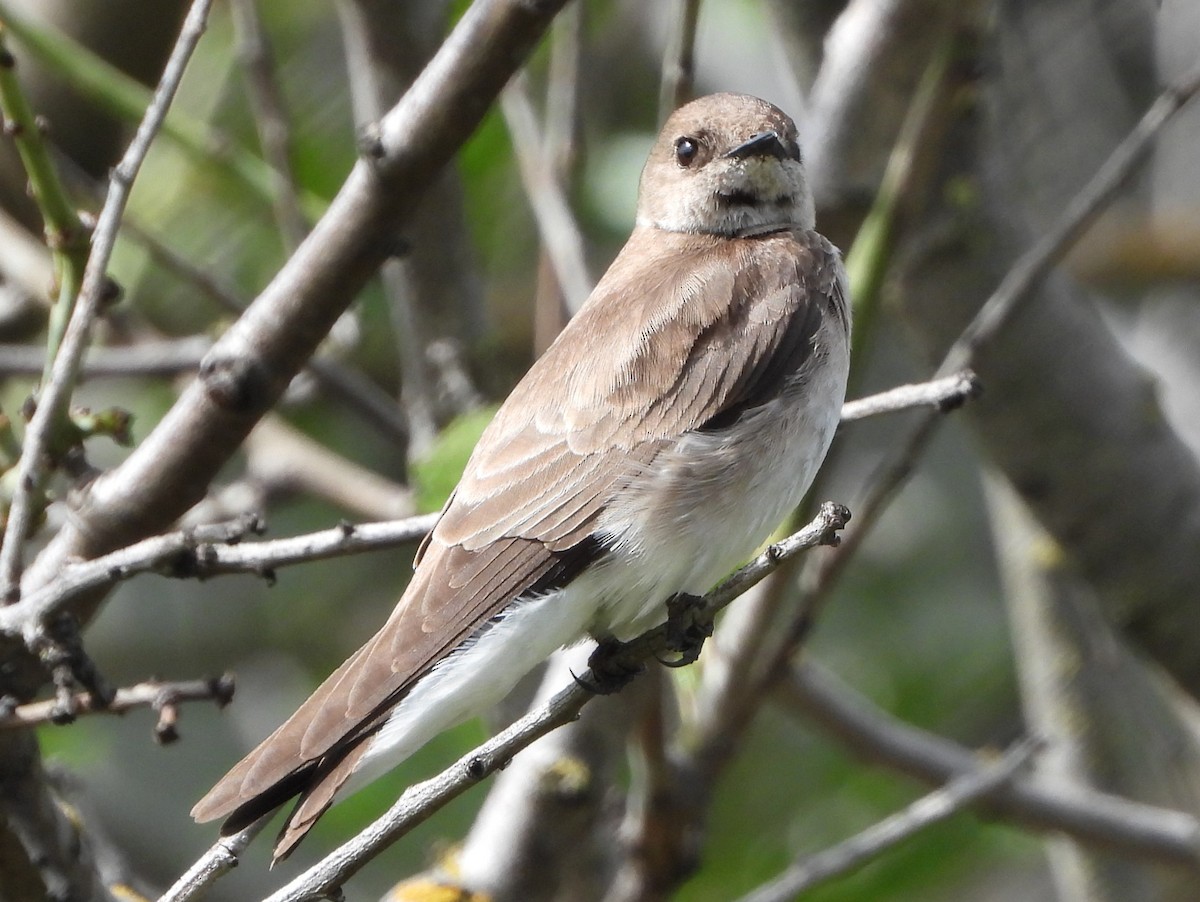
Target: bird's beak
x: 764, y: 144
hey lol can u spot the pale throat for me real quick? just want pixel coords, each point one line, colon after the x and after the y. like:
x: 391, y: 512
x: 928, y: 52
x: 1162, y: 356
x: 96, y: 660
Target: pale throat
x: 750, y: 201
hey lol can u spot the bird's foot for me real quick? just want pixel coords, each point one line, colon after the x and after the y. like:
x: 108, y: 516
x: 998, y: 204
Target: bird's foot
x: 688, y: 625
x: 610, y: 667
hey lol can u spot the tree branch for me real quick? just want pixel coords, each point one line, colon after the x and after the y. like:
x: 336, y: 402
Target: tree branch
x: 1089, y: 816
x: 853, y: 853
x: 56, y: 393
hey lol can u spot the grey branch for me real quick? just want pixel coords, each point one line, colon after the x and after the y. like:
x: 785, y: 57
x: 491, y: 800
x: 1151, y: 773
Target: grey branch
x: 220, y: 859
x: 943, y: 394
x: 193, y: 553
x: 56, y: 394
x: 556, y: 224
x: 1089, y: 816
x: 419, y: 801
x: 925, y: 812
x: 162, y: 696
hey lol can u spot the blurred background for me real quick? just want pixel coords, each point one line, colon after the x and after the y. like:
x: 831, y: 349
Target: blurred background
x: 1036, y: 574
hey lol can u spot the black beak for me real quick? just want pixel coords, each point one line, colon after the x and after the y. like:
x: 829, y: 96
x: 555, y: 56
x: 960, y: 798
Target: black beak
x: 764, y: 144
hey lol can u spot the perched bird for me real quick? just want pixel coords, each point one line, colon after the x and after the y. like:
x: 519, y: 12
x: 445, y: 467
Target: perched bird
x: 676, y: 420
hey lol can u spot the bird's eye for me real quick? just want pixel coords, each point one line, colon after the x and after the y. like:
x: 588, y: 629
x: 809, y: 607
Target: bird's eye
x: 685, y: 150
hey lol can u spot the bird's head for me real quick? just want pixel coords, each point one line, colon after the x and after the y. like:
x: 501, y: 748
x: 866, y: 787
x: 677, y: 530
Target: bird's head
x: 726, y: 164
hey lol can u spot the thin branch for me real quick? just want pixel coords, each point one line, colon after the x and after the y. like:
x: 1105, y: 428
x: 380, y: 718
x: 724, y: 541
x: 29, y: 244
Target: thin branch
x: 65, y: 233
x: 1033, y: 265
x: 200, y: 554
x: 556, y: 224
x: 946, y: 393
x: 419, y: 801
x: 156, y: 694
x: 56, y: 393
x: 274, y: 133
x: 679, y: 61
x: 931, y: 809
x: 1089, y: 816
x: 219, y: 860
x: 154, y: 358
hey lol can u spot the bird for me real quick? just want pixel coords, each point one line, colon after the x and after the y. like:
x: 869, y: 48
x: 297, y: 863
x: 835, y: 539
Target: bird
x: 677, y: 419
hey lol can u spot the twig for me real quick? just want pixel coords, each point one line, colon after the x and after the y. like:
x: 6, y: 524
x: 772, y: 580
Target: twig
x: 1033, y: 265
x: 162, y: 696
x: 556, y: 224
x: 931, y: 809
x: 56, y: 393
x: 419, y: 801
x: 197, y: 553
x: 219, y: 860
x: 946, y: 393
x: 1086, y: 815
x: 66, y: 236
x: 154, y: 358
x: 679, y: 60
x: 266, y: 102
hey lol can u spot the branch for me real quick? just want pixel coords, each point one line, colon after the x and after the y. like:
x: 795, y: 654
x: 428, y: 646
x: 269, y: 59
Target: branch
x: 274, y: 135
x: 946, y: 393
x: 56, y: 393
x: 1086, y: 815
x: 219, y: 860
x: 163, y: 697
x: 201, y: 553
x: 254, y: 361
x: 419, y: 801
x: 556, y: 224
x: 1033, y: 266
x: 891, y: 831
x: 678, y: 82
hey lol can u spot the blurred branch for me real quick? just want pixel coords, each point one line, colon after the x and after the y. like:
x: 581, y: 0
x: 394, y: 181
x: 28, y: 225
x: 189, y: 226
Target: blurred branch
x: 1033, y: 266
x: 127, y: 99
x: 274, y: 134
x: 66, y: 235
x: 1097, y: 818
x: 422, y: 799
x: 163, y: 697
x: 853, y: 853
x: 556, y: 224
x: 284, y: 459
x: 679, y: 61
x: 153, y: 358
x: 560, y: 153
x: 56, y: 393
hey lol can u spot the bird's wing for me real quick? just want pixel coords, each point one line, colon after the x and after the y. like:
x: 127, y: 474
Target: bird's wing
x: 660, y: 349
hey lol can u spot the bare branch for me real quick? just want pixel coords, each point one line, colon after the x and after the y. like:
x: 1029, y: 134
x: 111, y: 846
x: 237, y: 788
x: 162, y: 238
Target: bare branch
x: 198, y: 553
x: 252, y: 363
x: 56, y: 394
x: 920, y: 815
x: 1089, y: 816
x: 156, y: 694
x: 219, y: 860
x: 946, y: 393
x: 274, y: 134
x: 679, y: 60
x: 1032, y: 266
x: 556, y: 224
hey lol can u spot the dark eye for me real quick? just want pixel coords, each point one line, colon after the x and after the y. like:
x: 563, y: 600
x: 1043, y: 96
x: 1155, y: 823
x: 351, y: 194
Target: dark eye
x: 685, y: 150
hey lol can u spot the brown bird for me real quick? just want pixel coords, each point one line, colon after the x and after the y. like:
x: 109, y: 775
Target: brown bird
x: 678, y: 418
